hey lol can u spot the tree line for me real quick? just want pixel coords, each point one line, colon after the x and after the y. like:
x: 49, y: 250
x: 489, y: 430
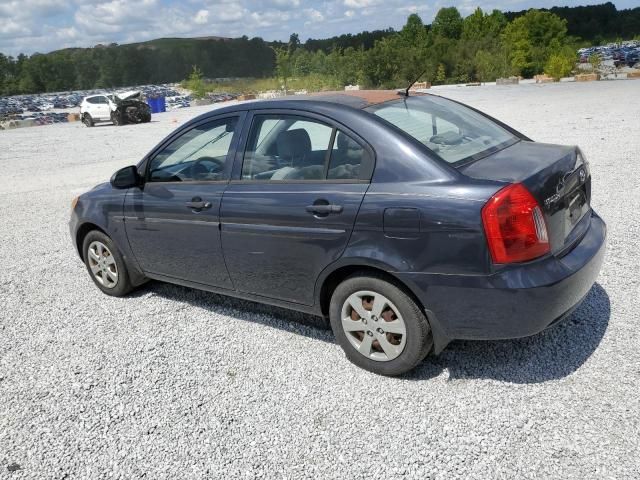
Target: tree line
x: 482, y: 47
x: 110, y: 66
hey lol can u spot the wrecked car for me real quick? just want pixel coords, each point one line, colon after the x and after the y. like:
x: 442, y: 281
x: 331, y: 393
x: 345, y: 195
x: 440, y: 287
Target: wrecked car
x: 120, y: 108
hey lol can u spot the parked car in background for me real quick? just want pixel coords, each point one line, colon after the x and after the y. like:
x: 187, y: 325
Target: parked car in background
x: 408, y: 221
x: 119, y: 109
x: 632, y: 57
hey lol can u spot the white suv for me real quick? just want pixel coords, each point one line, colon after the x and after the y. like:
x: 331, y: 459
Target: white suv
x: 120, y: 108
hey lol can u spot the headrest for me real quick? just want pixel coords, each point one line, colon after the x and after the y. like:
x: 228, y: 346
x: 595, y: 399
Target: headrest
x: 293, y: 144
x: 347, y: 143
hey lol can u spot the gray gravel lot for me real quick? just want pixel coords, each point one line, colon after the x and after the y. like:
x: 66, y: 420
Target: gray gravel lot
x: 176, y: 383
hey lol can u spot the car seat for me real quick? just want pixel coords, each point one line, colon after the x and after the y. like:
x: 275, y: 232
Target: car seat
x: 294, y: 146
x: 346, y: 159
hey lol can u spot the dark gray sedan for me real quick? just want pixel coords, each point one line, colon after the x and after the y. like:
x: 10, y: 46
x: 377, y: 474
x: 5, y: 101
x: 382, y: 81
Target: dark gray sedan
x: 407, y: 221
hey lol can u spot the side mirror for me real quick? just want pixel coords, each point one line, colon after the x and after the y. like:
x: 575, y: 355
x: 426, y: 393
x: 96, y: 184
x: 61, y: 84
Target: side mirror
x: 126, y: 177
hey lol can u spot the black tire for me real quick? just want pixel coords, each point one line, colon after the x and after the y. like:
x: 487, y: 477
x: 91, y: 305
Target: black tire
x: 123, y: 284
x: 115, y: 118
x: 87, y: 120
x: 418, y: 342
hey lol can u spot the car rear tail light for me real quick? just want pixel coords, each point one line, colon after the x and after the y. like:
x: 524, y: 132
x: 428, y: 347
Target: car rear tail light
x: 514, y: 225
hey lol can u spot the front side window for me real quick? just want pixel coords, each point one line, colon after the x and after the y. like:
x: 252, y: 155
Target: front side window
x: 200, y: 154
x: 288, y: 147
x: 454, y: 132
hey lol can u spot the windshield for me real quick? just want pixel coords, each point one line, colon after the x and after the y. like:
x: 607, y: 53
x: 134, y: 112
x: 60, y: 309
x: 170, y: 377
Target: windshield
x: 452, y: 131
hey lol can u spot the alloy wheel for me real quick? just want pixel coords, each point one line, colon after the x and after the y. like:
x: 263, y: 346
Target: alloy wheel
x: 374, y: 326
x: 103, y: 264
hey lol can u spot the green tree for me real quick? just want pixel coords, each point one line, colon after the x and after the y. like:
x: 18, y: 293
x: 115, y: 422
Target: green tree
x: 532, y: 38
x: 411, y: 50
x: 448, y: 23
x: 491, y: 65
x: 294, y: 43
x: 559, y: 65
x: 284, y: 66
x: 441, y: 74
x: 195, y: 83
x: 381, y: 63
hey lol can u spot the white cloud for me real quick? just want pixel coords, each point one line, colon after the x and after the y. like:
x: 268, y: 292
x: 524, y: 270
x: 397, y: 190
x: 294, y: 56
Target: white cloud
x: 285, y: 3
x: 314, y: 15
x: 201, y: 17
x: 361, y: 3
x: 44, y: 25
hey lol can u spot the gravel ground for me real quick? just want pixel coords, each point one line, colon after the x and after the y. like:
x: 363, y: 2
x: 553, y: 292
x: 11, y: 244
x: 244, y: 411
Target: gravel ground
x: 176, y: 383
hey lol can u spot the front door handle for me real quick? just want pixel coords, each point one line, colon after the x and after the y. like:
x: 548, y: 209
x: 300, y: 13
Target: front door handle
x: 197, y: 203
x: 324, y: 209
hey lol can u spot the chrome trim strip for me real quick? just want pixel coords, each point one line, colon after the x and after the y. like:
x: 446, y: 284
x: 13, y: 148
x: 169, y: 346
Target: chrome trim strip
x: 172, y: 220
x: 259, y: 227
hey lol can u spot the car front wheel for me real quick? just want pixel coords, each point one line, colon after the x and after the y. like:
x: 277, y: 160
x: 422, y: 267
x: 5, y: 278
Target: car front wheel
x: 105, y: 264
x: 115, y: 118
x: 379, y: 327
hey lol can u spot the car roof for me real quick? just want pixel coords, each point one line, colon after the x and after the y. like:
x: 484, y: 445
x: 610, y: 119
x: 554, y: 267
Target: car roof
x: 352, y: 98
x: 326, y: 102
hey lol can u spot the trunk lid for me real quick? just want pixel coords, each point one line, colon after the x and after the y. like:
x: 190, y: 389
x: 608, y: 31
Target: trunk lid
x: 557, y: 176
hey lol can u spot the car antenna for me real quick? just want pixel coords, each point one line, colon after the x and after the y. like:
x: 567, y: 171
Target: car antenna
x: 406, y: 92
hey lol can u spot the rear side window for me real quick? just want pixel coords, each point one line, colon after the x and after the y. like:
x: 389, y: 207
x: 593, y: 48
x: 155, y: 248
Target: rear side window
x: 287, y: 147
x: 348, y: 159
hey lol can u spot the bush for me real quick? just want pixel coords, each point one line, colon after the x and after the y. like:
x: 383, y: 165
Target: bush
x: 595, y: 62
x: 195, y: 83
x: 559, y: 65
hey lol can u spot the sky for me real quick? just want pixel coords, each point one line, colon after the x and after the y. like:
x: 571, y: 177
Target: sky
x: 28, y: 26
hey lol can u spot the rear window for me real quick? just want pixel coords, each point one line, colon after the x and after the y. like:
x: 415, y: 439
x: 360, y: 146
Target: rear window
x: 452, y: 131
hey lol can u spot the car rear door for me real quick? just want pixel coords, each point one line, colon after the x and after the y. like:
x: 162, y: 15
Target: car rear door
x: 291, y: 205
x: 172, y: 222
x: 92, y: 107
x: 101, y: 108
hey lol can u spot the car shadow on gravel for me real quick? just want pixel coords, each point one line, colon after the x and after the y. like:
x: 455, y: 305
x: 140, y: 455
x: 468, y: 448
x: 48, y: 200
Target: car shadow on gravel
x: 284, y: 319
x: 549, y: 355
x: 552, y: 354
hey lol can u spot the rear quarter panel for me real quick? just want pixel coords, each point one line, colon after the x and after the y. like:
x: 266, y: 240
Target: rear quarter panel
x: 446, y: 237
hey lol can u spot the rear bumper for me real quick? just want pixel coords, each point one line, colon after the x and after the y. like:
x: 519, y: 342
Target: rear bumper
x: 516, y: 302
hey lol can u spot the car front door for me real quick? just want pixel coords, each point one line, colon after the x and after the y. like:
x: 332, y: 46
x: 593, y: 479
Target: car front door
x: 172, y: 222
x: 291, y: 207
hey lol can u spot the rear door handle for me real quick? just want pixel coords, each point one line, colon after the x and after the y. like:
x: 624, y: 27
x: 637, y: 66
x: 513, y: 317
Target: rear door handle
x: 324, y: 209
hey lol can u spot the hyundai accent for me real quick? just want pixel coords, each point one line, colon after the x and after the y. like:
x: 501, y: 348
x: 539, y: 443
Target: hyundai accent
x: 408, y: 221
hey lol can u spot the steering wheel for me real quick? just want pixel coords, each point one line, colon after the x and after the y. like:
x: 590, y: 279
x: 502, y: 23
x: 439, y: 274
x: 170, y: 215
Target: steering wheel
x: 205, y: 166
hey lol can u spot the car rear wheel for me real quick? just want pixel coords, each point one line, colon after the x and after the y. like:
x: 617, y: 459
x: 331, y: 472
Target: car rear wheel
x: 87, y: 120
x: 105, y: 264
x: 379, y: 327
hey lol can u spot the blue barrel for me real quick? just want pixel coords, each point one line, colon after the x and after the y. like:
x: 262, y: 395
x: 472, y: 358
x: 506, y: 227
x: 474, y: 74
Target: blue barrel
x: 157, y: 104
x: 152, y: 104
